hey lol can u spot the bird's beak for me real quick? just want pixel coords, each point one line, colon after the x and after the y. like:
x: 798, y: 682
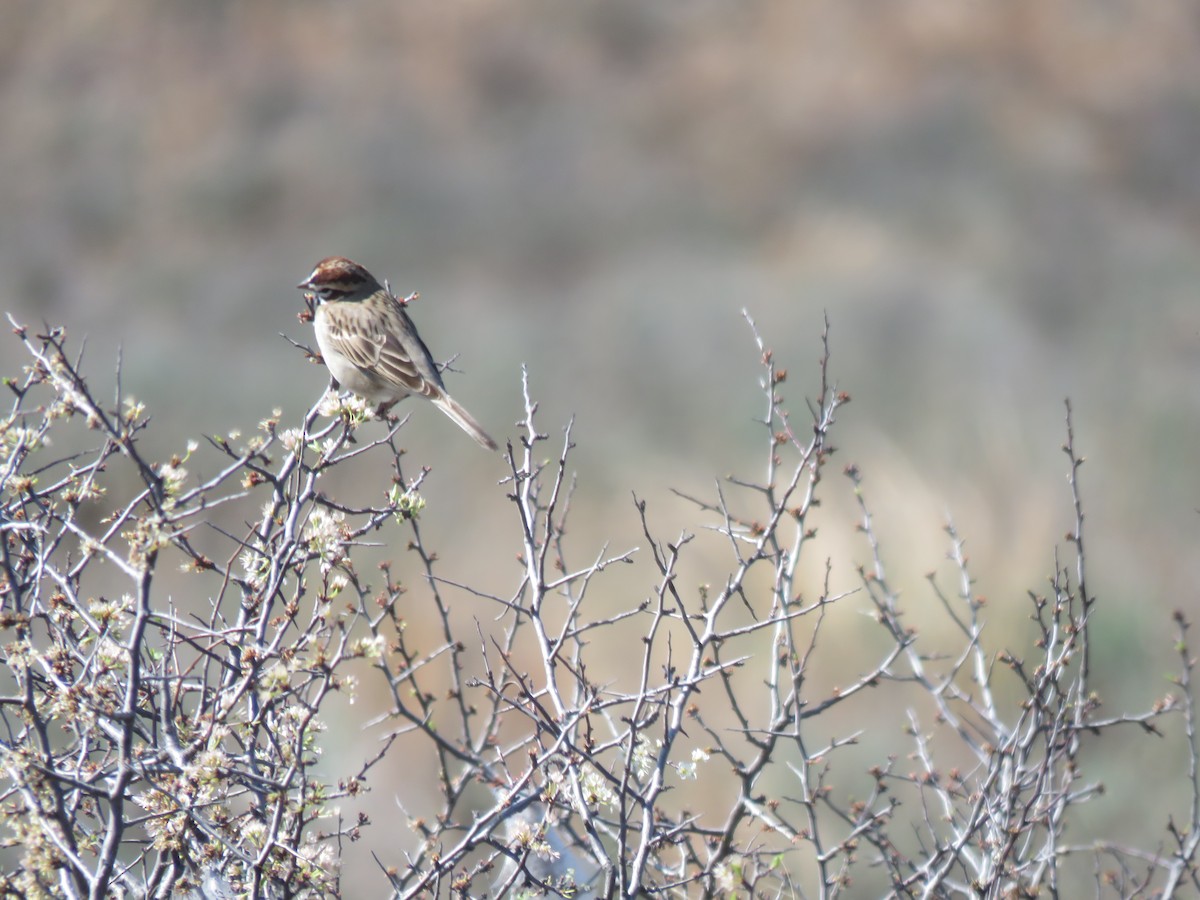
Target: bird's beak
x: 305, y: 285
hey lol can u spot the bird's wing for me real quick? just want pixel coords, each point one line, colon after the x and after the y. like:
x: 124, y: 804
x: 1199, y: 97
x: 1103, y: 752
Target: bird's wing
x: 388, y: 346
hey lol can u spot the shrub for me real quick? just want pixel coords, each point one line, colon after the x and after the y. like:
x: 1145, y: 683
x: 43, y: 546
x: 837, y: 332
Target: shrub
x: 155, y: 744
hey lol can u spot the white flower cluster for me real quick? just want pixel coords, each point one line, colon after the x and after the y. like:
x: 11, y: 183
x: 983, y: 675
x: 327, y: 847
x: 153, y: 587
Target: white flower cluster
x: 525, y: 836
x: 407, y: 502
x: 350, y: 407
x: 111, y: 613
x: 369, y: 647
x: 325, y: 534
x: 291, y: 439
x: 257, y: 566
x: 16, y: 437
x: 645, y: 759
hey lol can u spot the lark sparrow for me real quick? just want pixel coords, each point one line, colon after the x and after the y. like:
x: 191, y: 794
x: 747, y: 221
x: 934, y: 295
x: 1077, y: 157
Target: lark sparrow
x: 371, y: 345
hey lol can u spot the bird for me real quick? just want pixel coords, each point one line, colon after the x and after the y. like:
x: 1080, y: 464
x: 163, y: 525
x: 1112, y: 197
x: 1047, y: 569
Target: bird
x: 371, y: 346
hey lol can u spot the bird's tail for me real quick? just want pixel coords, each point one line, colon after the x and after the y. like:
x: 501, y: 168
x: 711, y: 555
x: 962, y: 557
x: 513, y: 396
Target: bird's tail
x: 464, y: 420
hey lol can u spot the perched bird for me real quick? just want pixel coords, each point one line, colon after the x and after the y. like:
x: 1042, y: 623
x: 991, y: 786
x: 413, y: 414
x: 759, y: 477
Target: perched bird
x: 371, y: 345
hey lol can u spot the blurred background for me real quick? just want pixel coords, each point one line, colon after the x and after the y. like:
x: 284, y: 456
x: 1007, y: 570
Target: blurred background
x: 996, y: 204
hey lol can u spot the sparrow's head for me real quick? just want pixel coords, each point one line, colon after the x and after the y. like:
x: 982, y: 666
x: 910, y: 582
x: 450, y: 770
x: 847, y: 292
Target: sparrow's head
x: 337, y: 278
